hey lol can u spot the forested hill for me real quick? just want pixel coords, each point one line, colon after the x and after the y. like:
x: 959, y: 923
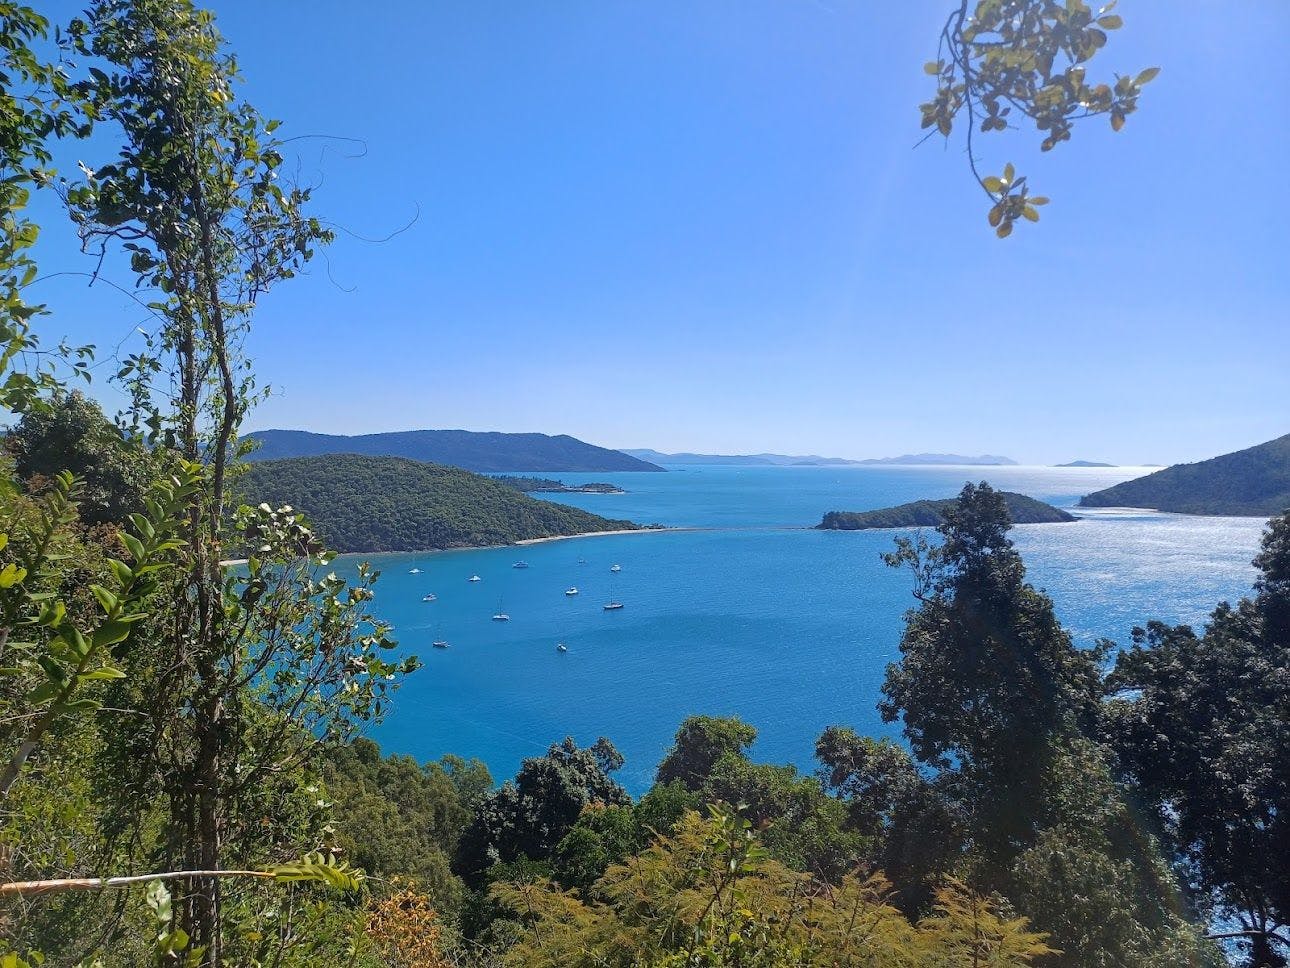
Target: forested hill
x: 374, y: 504
x: 1253, y: 482
x: 485, y: 452
x: 926, y: 514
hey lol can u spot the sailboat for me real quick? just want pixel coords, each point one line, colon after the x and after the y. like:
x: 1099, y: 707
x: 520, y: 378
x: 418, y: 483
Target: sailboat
x: 439, y: 643
x: 430, y: 597
x: 571, y: 591
x: 414, y: 571
x: 501, y: 616
x: 474, y: 578
x: 520, y: 564
x: 615, y: 567
x: 613, y: 606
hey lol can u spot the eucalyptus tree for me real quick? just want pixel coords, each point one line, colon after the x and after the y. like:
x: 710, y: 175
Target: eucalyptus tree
x: 988, y: 679
x: 254, y: 667
x: 1201, y: 723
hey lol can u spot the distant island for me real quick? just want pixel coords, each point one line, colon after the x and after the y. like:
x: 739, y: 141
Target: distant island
x: 982, y: 460
x: 926, y: 514
x: 737, y: 460
x: 1254, y: 482
x: 484, y: 452
x: 1086, y: 463
x: 544, y: 485
x: 359, y: 503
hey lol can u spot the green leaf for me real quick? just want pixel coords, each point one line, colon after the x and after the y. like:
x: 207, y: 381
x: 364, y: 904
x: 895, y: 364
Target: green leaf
x: 1111, y: 22
x: 124, y: 575
x: 1008, y: 173
x: 992, y: 184
x: 135, y: 546
x: 11, y: 574
x: 106, y: 672
x: 105, y: 598
x: 1148, y: 75
x: 73, y: 637
x: 110, y: 633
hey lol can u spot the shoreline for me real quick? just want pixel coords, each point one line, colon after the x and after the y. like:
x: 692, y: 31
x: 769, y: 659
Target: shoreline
x: 581, y: 534
x: 493, y: 547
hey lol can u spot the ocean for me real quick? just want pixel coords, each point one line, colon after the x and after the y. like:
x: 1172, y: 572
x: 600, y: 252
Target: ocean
x: 750, y: 613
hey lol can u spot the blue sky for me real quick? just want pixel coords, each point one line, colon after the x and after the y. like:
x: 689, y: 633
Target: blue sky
x: 705, y: 226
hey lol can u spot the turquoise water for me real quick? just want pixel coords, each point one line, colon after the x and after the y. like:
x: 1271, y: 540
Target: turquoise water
x: 751, y: 614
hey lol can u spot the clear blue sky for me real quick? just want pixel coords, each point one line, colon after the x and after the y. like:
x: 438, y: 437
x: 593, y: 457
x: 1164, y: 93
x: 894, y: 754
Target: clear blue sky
x: 705, y: 226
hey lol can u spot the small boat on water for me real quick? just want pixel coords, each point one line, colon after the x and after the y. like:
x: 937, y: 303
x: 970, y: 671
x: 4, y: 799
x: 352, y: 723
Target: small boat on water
x: 414, y: 571
x: 561, y: 647
x: 615, y: 567
x: 520, y: 564
x: 571, y: 591
x: 430, y: 597
x: 582, y: 561
x: 474, y: 578
x: 613, y: 606
x: 501, y: 615
x: 439, y: 644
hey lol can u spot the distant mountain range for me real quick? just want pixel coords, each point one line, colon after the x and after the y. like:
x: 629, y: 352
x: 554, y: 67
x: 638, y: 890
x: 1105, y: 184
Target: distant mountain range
x: 1253, y: 482
x: 809, y: 460
x: 752, y: 460
x: 1086, y: 463
x: 486, y: 452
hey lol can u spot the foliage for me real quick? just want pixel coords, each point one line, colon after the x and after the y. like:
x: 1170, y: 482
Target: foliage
x: 1254, y: 481
x: 929, y: 514
x: 71, y: 434
x: 37, y: 102
x: 711, y: 895
x: 1001, y: 61
x: 398, y: 818
x: 373, y: 504
x: 700, y: 742
x: 529, y: 816
x: 405, y: 928
x: 1202, y: 727
x: 49, y: 670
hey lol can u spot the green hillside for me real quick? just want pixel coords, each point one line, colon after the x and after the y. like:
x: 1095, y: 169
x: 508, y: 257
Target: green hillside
x: 374, y: 504
x: 928, y: 514
x: 1253, y: 482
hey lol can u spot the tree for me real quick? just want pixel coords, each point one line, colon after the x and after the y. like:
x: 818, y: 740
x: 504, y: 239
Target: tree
x: 1201, y: 724
x: 1002, y: 61
x: 254, y: 671
x: 72, y: 434
x: 700, y: 742
x: 37, y: 103
x: 526, y: 818
x: 988, y: 680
